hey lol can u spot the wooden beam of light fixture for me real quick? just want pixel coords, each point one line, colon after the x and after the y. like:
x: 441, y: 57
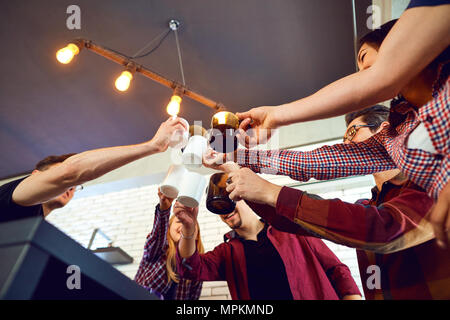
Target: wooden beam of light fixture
x: 126, y: 61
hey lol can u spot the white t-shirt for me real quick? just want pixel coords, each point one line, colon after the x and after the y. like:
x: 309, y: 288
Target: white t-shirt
x: 420, y: 139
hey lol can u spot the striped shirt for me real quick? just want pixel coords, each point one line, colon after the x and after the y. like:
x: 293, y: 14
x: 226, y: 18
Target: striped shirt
x: 384, y: 151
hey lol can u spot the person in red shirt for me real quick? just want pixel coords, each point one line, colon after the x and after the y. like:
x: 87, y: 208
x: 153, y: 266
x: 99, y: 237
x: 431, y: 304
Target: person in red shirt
x: 419, y: 37
x: 260, y: 262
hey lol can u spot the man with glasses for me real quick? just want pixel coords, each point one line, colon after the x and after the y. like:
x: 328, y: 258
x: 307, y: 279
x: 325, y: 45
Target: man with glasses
x: 397, y: 256
x: 53, y: 182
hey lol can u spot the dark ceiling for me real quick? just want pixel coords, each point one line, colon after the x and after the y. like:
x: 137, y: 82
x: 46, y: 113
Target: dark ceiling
x: 241, y: 53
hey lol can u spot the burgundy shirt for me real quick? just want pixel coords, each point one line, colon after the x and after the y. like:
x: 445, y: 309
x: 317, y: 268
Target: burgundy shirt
x: 391, y: 231
x: 313, y: 271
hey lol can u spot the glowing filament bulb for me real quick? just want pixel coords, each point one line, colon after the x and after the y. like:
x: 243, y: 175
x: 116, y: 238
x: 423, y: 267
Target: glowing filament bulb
x: 221, y: 117
x: 123, y: 81
x: 173, y: 108
x: 66, y: 54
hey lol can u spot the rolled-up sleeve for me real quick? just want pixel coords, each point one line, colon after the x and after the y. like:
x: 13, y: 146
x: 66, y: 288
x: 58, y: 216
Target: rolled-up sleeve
x: 397, y: 224
x: 202, y: 267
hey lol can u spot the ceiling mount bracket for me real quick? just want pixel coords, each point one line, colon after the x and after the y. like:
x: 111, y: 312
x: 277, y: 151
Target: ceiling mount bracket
x: 174, y: 24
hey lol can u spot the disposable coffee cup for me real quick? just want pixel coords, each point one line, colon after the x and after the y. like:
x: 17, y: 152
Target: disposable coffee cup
x: 170, y: 185
x: 193, y: 153
x: 192, y: 188
x: 180, y: 138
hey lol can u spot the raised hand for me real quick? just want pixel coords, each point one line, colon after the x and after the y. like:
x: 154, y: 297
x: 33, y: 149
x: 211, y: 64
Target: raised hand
x: 166, y: 129
x: 220, y: 161
x: 244, y: 184
x: 187, y: 216
x: 256, y: 126
x: 164, y: 202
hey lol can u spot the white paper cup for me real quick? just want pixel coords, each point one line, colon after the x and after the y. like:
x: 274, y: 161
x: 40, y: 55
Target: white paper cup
x: 180, y: 138
x: 192, y: 189
x: 193, y: 153
x: 171, y: 184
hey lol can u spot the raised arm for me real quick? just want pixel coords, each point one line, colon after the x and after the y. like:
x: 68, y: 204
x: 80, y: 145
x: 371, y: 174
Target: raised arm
x: 42, y: 186
x: 157, y: 239
x: 395, y: 225
x: 191, y: 264
x: 325, y: 163
x: 417, y: 38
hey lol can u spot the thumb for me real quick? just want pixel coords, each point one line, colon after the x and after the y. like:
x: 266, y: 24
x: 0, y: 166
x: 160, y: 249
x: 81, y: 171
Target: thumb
x: 244, y: 115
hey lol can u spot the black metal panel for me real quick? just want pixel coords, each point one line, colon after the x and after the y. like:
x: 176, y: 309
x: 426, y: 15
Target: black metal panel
x: 36, y: 260
x: 28, y: 264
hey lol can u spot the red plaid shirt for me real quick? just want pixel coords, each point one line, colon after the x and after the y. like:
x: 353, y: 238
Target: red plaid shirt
x: 391, y: 231
x: 152, y: 272
x: 384, y: 151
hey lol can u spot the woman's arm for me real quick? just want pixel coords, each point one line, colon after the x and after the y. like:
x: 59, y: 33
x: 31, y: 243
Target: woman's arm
x: 157, y: 239
x: 417, y: 38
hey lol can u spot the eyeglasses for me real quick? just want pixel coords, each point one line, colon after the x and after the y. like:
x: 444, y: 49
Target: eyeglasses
x: 351, y: 132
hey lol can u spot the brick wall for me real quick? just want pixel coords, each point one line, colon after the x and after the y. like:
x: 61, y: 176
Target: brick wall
x: 127, y: 216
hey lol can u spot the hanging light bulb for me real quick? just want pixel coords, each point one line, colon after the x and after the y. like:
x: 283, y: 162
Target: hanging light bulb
x: 173, y: 108
x: 66, y: 54
x: 123, y: 81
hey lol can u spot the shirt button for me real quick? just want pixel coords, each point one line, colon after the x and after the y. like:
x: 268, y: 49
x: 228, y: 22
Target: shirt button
x: 429, y: 119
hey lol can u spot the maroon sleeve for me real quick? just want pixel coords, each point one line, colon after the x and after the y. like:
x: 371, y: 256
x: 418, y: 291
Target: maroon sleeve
x: 288, y: 202
x: 338, y: 273
x: 280, y: 222
x: 396, y: 224
x: 203, y: 267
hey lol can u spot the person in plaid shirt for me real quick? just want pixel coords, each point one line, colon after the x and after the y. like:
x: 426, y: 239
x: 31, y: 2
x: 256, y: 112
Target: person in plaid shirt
x: 400, y: 66
x: 157, y: 270
x: 390, y: 231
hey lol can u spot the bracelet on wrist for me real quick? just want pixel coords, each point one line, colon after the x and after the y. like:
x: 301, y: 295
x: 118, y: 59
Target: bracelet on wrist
x: 187, y: 237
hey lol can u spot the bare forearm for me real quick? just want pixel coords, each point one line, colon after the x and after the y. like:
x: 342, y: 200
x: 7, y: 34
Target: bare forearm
x: 186, y: 247
x: 353, y: 92
x: 92, y: 164
x: 43, y: 186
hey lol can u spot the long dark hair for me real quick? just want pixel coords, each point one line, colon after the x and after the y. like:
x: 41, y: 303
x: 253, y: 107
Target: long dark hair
x: 377, y: 36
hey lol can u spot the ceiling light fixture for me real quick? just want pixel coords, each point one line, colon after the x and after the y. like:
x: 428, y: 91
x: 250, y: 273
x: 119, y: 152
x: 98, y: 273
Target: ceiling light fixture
x: 122, y: 83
